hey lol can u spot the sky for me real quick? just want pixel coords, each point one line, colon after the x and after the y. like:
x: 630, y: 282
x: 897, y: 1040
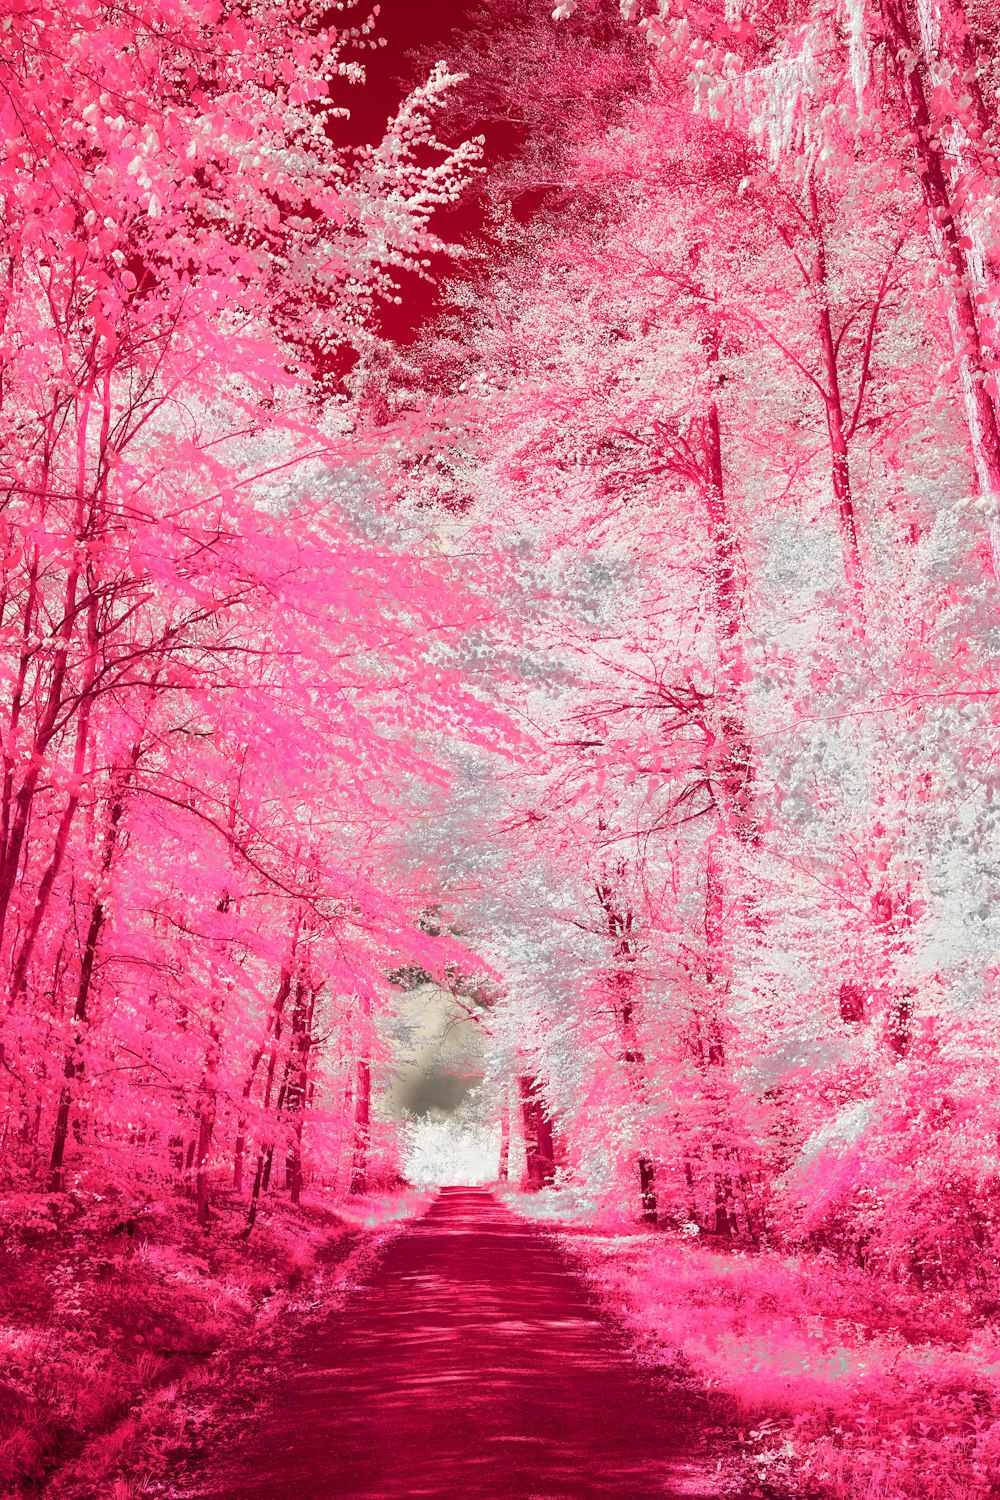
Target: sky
x: 406, y: 25
x: 391, y: 70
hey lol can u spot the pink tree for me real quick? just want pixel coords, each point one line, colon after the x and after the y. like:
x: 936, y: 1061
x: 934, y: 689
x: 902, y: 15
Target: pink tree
x: 185, y: 251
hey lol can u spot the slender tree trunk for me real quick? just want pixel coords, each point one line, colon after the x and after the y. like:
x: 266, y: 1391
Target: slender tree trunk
x: 262, y: 1175
x: 189, y: 1167
x: 72, y: 1067
x: 20, y: 974
x: 206, y: 1126
x: 692, y: 1195
x: 725, y: 1220
x: 262, y: 1171
x: 273, y: 1020
x: 736, y: 778
x: 346, y: 1131
x: 279, y: 1109
x: 17, y: 704
x: 836, y: 426
x: 503, y: 1165
x: 255, y: 1194
x: 207, y: 1106
x: 712, y: 1050
x: 362, y: 1128
x: 87, y: 504
x: 910, y: 64
x: 361, y: 1140
x: 239, y: 1151
x: 623, y: 1007
x: 840, y: 468
x: 51, y: 701
x: 305, y: 1004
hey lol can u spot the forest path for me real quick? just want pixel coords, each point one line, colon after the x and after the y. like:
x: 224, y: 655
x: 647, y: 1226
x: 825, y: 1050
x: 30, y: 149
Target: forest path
x: 472, y: 1364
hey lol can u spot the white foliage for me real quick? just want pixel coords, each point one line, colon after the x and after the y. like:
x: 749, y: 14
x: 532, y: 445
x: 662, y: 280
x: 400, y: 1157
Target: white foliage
x: 451, y: 1152
x: 858, y: 43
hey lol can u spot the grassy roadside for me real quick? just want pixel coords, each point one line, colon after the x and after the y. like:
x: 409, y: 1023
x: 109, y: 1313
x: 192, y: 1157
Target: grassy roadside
x: 126, y: 1333
x: 834, y: 1384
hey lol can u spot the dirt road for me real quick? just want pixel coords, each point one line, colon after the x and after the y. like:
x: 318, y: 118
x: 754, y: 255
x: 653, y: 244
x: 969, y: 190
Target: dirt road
x: 472, y: 1365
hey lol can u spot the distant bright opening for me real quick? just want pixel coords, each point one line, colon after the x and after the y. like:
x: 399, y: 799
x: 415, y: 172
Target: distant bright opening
x: 450, y: 1153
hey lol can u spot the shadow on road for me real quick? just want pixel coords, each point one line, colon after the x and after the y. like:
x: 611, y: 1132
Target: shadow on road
x: 472, y: 1365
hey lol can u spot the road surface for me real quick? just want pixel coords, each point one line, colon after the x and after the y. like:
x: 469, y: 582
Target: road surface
x: 471, y: 1365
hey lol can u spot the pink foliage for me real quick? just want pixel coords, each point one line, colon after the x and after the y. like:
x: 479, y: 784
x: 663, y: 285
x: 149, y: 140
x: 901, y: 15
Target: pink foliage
x: 621, y: 654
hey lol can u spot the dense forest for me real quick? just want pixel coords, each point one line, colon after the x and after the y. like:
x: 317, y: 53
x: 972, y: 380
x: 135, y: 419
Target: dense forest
x: 545, y: 559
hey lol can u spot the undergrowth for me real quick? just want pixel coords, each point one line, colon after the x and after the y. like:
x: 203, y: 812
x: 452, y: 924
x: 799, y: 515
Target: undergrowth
x: 837, y: 1385
x: 120, y: 1320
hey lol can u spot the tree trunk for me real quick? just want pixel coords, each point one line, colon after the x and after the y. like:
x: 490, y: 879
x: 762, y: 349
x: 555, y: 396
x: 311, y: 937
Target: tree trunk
x: 255, y: 1194
x: 736, y: 778
x: 840, y: 468
x: 362, y: 1128
x: 262, y: 1171
x: 692, y: 1195
x: 725, y: 1219
x: 72, y: 1067
x: 273, y: 1021
x: 206, y: 1126
x: 361, y: 1142
x: 298, y: 1092
x: 207, y: 1106
x: 623, y: 1008
x: 539, y: 1145
x: 17, y: 701
x: 910, y: 64
x: 346, y: 1131
x: 503, y: 1165
x: 712, y: 1047
x: 279, y: 1107
x: 50, y: 710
